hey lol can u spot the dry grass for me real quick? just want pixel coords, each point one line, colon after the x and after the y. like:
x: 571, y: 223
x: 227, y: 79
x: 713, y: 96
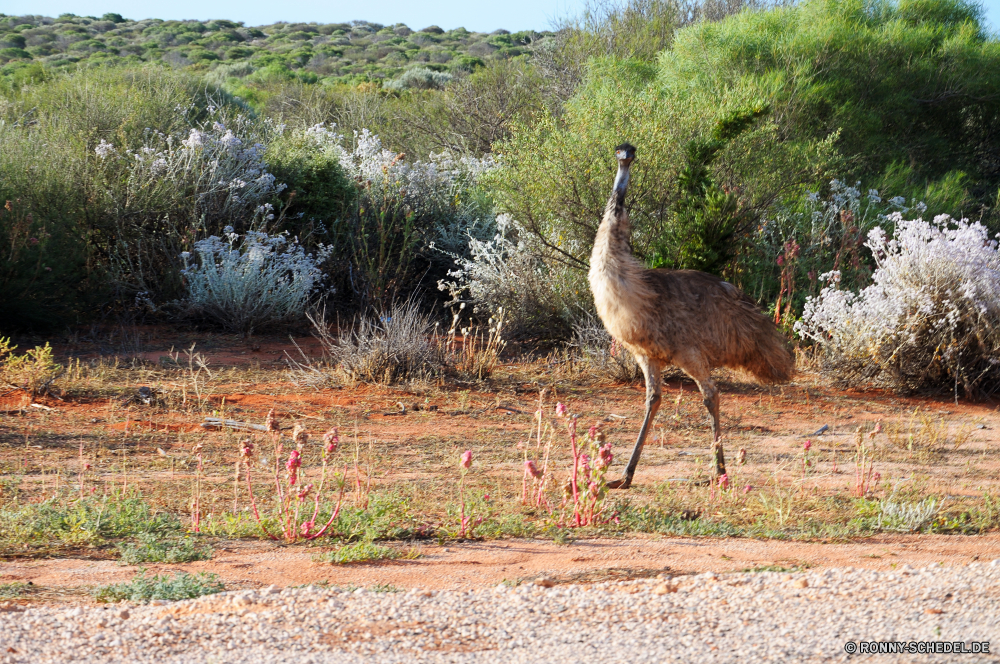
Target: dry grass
x: 603, y: 355
x: 389, y: 347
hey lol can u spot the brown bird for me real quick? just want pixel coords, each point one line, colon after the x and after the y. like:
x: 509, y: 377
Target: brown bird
x: 691, y: 319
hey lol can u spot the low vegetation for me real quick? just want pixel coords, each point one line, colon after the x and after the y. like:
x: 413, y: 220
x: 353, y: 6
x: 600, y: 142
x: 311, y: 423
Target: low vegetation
x: 150, y: 548
x: 145, y: 589
x: 353, y: 52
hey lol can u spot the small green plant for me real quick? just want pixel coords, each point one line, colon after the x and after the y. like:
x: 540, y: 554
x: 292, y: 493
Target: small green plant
x: 34, y: 372
x: 14, y: 589
x: 776, y: 568
x: 89, y: 521
x: 365, y: 551
x: 149, y: 549
x: 144, y: 589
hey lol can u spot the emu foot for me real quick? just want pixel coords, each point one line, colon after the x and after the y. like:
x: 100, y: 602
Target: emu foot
x: 623, y: 483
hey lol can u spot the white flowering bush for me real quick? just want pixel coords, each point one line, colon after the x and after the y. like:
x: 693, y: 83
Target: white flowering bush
x: 424, y: 186
x: 158, y: 197
x: 219, y: 171
x: 800, y: 239
x: 504, y: 272
x: 260, y: 281
x: 930, y: 320
x: 404, y: 213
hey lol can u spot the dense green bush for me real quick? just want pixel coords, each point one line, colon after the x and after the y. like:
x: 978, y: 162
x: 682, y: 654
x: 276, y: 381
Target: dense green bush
x: 557, y: 173
x: 910, y: 87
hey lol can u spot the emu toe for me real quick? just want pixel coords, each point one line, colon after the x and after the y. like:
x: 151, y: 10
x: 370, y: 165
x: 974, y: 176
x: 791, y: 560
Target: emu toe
x: 623, y: 483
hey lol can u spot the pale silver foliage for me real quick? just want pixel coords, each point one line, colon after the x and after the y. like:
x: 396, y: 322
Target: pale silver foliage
x: 420, y: 78
x: 907, y: 517
x: 930, y: 318
x: 436, y: 188
x: 504, y: 272
x: 261, y: 280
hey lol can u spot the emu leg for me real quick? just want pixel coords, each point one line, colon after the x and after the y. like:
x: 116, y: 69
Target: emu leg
x: 699, y: 371
x: 651, y: 369
x: 712, y: 404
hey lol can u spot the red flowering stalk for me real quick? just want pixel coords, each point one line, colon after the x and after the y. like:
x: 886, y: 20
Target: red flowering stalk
x: 464, y: 463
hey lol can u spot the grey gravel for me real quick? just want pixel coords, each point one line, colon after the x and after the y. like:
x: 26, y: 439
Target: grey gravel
x: 745, y: 617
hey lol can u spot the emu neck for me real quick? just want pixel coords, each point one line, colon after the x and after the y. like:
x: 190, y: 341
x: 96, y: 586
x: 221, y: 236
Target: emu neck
x: 616, y: 277
x: 612, y: 250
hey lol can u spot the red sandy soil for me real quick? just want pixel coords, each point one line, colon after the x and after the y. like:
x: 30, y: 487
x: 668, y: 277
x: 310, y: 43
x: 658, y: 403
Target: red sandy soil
x: 492, y: 418
x: 475, y: 565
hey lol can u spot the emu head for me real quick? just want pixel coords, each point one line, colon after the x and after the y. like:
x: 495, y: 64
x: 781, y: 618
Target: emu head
x: 625, y: 153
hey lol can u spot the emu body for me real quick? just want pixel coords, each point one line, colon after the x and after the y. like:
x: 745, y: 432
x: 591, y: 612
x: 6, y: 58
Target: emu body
x: 691, y: 319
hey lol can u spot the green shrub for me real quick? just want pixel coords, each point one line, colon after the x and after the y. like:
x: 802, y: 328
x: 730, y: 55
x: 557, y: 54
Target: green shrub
x: 75, y: 224
x: 364, y: 551
x: 152, y: 548
x: 911, y: 82
x: 143, y: 589
x: 556, y: 174
x: 34, y: 372
x: 85, y: 522
x: 319, y: 192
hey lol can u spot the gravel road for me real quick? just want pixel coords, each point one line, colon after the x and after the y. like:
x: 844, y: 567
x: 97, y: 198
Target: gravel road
x: 745, y: 617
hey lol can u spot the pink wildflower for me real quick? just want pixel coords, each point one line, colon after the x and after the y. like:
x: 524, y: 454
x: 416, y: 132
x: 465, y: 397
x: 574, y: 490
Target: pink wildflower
x: 292, y: 466
x: 781, y: 260
x: 304, y: 491
x: 272, y: 422
x: 532, y: 469
x: 604, y: 456
x: 807, y: 445
x: 724, y: 481
x: 246, y: 449
x: 332, y: 439
x: 300, y: 436
x: 593, y: 489
x: 561, y: 409
x: 747, y: 489
x: 466, y: 459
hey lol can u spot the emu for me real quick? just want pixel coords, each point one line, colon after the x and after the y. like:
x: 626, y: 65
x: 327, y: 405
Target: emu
x: 691, y: 319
